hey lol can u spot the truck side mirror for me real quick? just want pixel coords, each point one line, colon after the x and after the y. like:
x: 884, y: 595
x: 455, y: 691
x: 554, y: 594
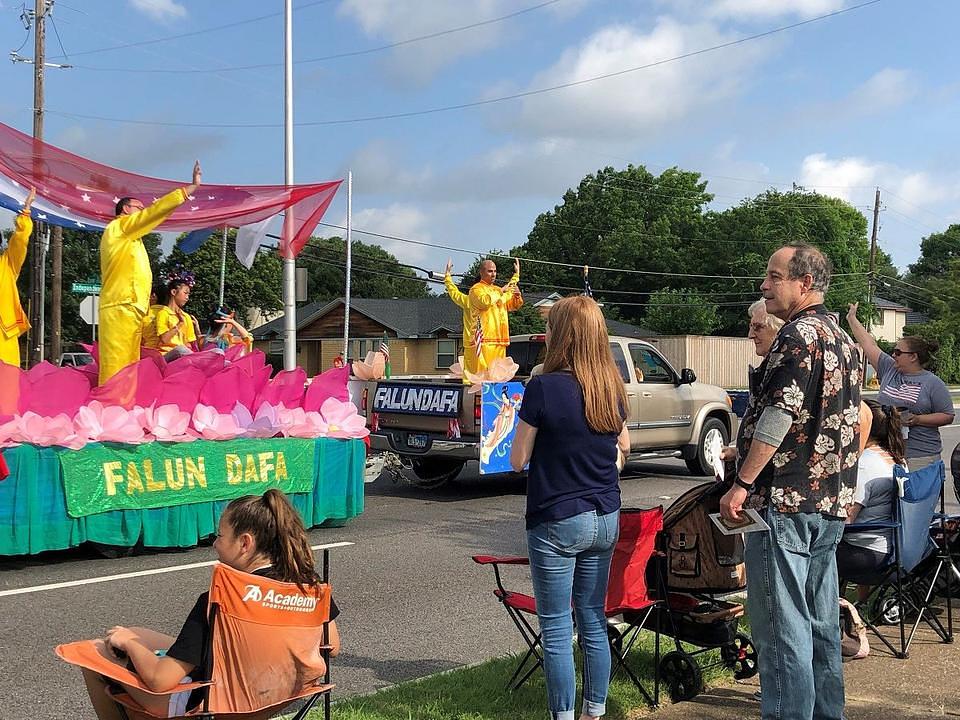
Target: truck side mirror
x: 687, y: 376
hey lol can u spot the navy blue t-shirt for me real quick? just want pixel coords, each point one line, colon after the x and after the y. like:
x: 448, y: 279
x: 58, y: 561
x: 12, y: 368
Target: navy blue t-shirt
x: 573, y: 469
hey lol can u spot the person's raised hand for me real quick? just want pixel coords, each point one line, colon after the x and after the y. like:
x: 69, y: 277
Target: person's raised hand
x: 449, y: 267
x: 197, y: 172
x: 516, y: 266
x: 852, y: 311
x: 29, y: 201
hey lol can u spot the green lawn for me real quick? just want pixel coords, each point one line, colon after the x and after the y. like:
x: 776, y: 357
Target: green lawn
x: 478, y: 692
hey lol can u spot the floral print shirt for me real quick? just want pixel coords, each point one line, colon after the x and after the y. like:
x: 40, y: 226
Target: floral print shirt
x: 813, y: 372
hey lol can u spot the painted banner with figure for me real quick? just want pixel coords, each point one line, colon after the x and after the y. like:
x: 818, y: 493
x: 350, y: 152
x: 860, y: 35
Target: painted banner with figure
x: 99, y: 478
x: 499, y: 414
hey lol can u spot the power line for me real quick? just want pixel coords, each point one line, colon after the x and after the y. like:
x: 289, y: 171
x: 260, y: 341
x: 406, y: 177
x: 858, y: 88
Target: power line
x: 487, y: 101
x: 194, y: 33
x: 336, y: 56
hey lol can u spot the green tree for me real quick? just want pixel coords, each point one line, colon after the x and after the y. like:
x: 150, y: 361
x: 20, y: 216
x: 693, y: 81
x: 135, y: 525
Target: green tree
x: 376, y: 272
x: 260, y: 287
x: 679, y: 312
x: 937, y: 251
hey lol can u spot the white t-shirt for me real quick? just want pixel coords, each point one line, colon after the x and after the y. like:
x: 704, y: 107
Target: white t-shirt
x: 875, y: 491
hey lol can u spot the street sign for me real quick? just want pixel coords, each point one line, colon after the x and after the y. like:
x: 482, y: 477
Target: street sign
x: 85, y: 288
x: 90, y: 309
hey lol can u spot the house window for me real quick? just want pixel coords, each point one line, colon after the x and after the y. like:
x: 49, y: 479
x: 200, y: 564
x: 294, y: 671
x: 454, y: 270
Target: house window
x: 276, y: 347
x: 446, y: 352
x: 367, y: 345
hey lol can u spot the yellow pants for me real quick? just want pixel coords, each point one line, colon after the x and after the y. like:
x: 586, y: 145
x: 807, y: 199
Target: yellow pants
x: 10, y: 350
x: 488, y: 353
x: 121, y: 332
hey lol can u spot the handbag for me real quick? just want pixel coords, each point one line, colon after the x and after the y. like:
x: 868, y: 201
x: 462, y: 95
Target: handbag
x: 853, y: 633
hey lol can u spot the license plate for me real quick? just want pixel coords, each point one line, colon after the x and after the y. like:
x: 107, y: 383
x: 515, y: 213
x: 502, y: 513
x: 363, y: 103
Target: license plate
x: 417, y: 441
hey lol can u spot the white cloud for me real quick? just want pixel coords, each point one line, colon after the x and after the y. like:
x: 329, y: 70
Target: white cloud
x: 640, y: 102
x: 399, y: 20
x: 160, y: 10
x: 749, y: 9
x: 887, y: 88
x: 398, y: 220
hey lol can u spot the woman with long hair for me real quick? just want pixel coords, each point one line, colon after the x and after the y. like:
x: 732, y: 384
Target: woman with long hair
x: 859, y: 555
x: 572, y: 431
x: 907, y: 384
x: 261, y: 535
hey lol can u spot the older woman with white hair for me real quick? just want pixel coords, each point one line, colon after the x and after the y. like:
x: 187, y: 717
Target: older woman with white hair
x: 763, y: 327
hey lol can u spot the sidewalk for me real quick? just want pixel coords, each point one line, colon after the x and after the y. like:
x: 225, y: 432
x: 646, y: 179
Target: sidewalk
x: 879, y: 687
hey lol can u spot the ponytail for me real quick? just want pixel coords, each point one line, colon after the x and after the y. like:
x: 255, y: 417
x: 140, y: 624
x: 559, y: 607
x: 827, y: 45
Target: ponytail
x: 886, y: 430
x: 278, y: 532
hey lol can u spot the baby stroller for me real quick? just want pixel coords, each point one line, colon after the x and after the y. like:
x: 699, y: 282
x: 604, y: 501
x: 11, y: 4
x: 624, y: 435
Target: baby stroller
x: 697, y: 564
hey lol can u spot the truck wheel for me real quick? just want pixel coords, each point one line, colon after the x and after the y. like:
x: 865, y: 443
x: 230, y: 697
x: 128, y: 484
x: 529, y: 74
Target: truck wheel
x: 695, y: 456
x: 430, y: 473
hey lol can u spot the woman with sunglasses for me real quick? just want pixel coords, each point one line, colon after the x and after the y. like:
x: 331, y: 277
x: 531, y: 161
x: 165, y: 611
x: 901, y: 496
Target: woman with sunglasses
x: 906, y: 384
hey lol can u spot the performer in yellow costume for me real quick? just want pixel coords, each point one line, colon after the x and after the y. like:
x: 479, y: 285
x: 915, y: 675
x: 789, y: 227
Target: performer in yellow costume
x: 126, y: 276
x: 487, y: 305
x: 13, y: 321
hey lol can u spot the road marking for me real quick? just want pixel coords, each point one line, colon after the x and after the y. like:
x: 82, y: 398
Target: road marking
x: 138, y: 573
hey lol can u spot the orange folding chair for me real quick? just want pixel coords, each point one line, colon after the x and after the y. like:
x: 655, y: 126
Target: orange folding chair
x: 628, y: 591
x: 268, y: 650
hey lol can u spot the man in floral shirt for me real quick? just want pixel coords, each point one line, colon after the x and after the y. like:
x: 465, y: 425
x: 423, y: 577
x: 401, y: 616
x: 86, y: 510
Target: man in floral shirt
x: 797, y: 453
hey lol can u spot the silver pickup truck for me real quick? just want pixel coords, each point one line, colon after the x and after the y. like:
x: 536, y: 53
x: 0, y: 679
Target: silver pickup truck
x: 671, y: 414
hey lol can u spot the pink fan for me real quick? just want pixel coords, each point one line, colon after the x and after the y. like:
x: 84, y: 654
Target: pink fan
x: 235, y: 352
x: 108, y: 423
x: 209, y: 363
x: 330, y: 383
x: 53, y: 391
x: 182, y: 389
x: 137, y: 384
x: 225, y: 389
x: 285, y: 388
x: 343, y: 420
x: 252, y: 362
x: 10, y: 380
x: 213, y: 425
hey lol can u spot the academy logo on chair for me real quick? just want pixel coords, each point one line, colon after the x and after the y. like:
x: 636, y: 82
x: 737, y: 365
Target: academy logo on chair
x: 278, y: 601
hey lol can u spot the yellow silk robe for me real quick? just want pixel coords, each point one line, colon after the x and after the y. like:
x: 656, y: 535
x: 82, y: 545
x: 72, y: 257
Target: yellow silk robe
x: 13, y: 321
x: 126, y: 279
x: 490, y: 305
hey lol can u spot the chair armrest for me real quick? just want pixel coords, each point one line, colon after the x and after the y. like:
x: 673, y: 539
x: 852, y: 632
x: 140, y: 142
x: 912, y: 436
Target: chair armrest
x: 867, y: 526
x: 505, y: 560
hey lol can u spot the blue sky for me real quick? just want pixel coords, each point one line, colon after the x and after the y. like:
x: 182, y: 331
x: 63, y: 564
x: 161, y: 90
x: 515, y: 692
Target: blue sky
x: 866, y: 98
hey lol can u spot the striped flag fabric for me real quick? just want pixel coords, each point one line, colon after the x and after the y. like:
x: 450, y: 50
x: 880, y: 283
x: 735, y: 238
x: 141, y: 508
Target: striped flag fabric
x: 478, y: 338
x: 385, y: 349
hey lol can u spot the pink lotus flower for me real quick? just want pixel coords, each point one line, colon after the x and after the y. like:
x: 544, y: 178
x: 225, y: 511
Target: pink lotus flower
x: 371, y: 367
x: 500, y: 370
x: 10, y: 434
x: 168, y: 423
x: 342, y: 420
x: 297, y: 422
x: 264, y: 424
x: 212, y: 425
x: 47, y: 432
x: 109, y: 423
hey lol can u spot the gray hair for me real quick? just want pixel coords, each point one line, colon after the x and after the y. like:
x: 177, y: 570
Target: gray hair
x: 760, y: 306
x: 808, y: 260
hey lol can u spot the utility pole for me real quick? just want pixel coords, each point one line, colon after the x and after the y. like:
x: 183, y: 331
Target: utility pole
x: 871, y: 275
x: 35, y: 337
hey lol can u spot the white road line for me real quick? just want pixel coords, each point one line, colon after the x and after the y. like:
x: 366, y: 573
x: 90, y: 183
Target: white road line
x: 139, y: 573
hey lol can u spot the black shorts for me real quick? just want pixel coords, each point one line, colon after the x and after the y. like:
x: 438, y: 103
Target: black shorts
x: 859, y: 564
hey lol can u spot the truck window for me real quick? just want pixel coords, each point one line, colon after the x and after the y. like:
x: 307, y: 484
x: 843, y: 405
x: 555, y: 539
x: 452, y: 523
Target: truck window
x: 648, y: 366
x: 621, y: 361
x: 527, y: 354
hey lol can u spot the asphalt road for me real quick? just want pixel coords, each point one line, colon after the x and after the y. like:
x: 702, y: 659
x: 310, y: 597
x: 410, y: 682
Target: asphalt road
x: 413, y: 602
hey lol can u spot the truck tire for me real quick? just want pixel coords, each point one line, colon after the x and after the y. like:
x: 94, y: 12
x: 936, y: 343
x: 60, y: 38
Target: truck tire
x: 695, y: 456
x: 430, y: 473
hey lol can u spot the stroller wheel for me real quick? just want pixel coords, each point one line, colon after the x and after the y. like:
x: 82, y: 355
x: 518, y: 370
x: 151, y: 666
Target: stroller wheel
x: 741, y: 657
x: 682, y: 674
x: 886, y: 610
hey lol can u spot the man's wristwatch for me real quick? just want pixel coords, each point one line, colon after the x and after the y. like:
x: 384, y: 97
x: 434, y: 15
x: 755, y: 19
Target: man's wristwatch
x: 745, y: 485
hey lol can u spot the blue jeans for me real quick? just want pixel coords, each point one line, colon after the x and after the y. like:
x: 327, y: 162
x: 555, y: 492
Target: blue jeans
x: 793, y: 601
x: 569, y: 563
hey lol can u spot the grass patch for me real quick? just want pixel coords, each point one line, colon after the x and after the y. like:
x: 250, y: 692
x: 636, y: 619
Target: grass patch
x: 478, y: 692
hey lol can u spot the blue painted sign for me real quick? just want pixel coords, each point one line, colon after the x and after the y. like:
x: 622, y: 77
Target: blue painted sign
x: 409, y: 399
x: 499, y: 414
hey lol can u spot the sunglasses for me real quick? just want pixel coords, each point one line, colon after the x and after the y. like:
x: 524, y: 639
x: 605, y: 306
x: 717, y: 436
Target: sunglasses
x: 897, y: 352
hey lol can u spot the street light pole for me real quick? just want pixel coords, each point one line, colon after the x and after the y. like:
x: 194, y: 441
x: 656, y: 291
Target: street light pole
x: 289, y: 262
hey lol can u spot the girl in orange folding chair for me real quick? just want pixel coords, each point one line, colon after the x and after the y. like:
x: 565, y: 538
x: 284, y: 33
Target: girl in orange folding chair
x: 259, y: 535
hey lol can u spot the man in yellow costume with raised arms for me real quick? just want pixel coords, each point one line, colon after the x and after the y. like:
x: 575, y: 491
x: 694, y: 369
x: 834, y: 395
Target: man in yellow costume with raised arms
x: 485, y: 310
x: 126, y: 276
x: 13, y: 321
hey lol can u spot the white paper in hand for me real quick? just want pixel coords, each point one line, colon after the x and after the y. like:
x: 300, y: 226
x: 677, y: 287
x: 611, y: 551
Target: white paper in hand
x: 712, y: 449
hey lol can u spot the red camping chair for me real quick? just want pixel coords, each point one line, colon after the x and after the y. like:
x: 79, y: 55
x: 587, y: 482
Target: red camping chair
x: 267, y: 648
x: 627, y: 591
